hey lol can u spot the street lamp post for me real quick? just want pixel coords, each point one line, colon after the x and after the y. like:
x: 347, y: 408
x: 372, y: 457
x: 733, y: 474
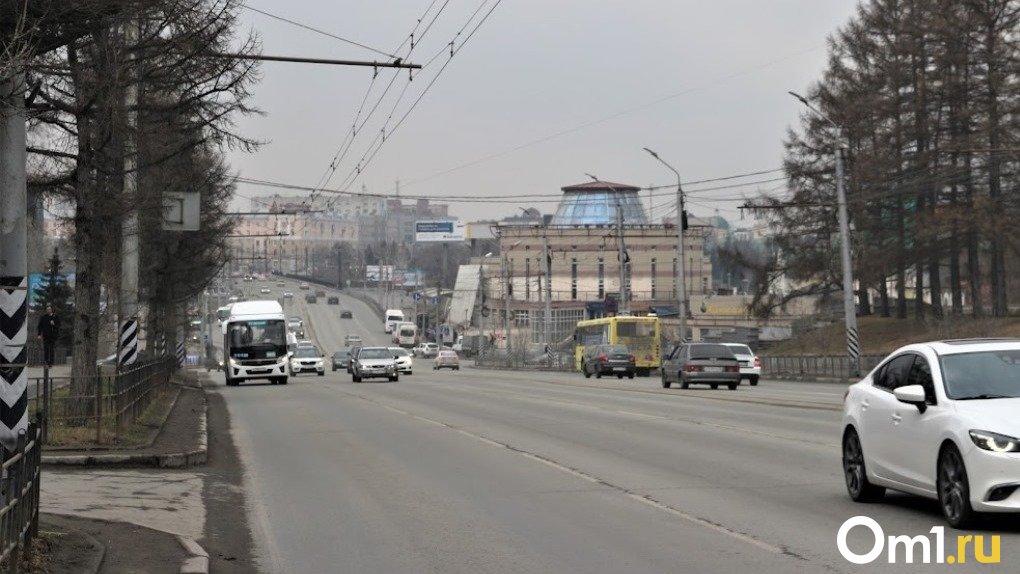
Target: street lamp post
x: 623, y: 308
x: 681, y: 284
x: 853, y: 343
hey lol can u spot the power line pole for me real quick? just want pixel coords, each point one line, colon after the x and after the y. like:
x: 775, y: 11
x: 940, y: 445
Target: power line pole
x: 683, y: 306
x: 13, y: 260
x: 548, y: 288
x: 622, y: 308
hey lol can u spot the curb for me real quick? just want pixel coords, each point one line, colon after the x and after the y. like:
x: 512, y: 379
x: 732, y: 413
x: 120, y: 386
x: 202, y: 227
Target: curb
x: 198, y: 563
x: 169, y: 460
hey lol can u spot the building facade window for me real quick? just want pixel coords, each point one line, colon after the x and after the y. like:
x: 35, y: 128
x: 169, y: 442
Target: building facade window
x: 602, y: 278
x: 573, y: 279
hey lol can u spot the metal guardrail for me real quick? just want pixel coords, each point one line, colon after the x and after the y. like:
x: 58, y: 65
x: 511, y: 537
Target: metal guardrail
x: 816, y: 366
x: 19, y: 493
x: 105, y: 402
x: 520, y: 359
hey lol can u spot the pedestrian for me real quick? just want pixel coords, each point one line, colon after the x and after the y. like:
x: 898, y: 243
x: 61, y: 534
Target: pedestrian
x: 49, y: 330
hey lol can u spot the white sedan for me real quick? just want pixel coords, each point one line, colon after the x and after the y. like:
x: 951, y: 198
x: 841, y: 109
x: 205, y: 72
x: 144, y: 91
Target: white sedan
x: 750, y: 364
x: 405, y: 365
x: 307, y: 359
x: 938, y: 420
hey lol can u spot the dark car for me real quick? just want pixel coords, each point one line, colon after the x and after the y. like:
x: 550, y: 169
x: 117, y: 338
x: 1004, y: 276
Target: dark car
x: 310, y: 298
x: 701, y: 364
x: 608, y: 360
x: 320, y: 293
x: 341, y: 359
x: 346, y: 314
x: 333, y: 301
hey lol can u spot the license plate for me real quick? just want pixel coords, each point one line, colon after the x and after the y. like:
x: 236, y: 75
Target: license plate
x: 619, y: 368
x: 713, y: 369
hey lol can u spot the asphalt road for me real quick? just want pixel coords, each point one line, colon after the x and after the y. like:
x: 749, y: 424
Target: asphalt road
x: 495, y: 471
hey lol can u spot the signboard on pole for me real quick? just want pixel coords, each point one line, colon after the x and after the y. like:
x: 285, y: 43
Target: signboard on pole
x: 438, y: 231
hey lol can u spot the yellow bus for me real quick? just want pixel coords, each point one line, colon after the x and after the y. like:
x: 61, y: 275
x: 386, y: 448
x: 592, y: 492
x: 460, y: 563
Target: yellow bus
x: 640, y: 334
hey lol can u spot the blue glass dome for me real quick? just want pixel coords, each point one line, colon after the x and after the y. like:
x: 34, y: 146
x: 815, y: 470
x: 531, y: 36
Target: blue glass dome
x: 595, y: 204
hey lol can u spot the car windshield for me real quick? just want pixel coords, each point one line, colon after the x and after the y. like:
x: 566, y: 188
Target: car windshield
x: 399, y: 351
x: 447, y: 354
x: 740, y: 349
x: 375, y: 353
x: 711, y: 352
x: 982, y: 375
x: 306, y: 352
x: 341, y: 354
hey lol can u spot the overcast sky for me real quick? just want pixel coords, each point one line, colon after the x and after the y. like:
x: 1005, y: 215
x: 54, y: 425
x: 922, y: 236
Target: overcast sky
x: 542, y: 93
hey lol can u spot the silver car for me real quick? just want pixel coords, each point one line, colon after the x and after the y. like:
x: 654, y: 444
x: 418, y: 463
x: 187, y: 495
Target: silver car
x: 374, y: 362
x: 709, y: 364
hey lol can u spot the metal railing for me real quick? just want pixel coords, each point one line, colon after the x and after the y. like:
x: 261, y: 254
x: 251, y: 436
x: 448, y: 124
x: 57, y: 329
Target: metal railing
x: 98, y: 407
x: 816, y: 366
x: 495, y: 358
x: 19, y: 493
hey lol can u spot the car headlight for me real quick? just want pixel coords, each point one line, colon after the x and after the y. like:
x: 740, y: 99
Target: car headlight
x: 234, y: 363
x: 994, y: 442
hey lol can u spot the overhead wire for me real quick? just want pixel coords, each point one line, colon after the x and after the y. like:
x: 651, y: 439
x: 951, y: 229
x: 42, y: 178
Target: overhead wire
x: 316, y: 30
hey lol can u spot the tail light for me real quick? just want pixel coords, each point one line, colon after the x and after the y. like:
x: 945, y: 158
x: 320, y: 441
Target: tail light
x: 757, y: 362
x: 694, y: 368
x: 732, y: 369
x: 603, y: 358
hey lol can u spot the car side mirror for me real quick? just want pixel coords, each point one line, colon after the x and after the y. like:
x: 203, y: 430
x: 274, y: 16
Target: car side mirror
x: 912, y: 395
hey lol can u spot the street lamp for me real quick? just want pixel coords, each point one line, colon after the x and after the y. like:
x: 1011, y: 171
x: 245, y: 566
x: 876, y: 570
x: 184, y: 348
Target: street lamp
x: 623, y: 308
x: 853, y: 343
x: 681, y: 287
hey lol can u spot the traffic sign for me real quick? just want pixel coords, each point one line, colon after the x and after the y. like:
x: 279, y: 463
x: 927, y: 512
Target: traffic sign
x: 435, y: 300
x: 417, y: 297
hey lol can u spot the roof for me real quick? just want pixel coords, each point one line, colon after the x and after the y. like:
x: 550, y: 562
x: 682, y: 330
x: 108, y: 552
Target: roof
x: 600, y: 186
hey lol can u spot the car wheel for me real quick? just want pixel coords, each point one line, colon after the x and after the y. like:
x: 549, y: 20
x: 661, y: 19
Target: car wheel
x: 665, y: 381
x: 584, y: 371
x: 683, y: 384
x: 409, y: 373
x: 714, y: 386
x: 283, y: 380
x: 598, y: 374
x: 394, y: 378
x: 630, y: 375
x: 619, y: 376
x: 732, y: 386
x: 356, y: 378
x: 954, y: 489
x: 322, y: 373
x: 456, y: 368
x: 858, y: 486
x: 754, y: 381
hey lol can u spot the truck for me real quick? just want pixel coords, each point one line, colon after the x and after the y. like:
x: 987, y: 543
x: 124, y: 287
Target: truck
x: 393, y: 317
x: 255, y: 343
x: 405, y: 335
x: 469, y: 345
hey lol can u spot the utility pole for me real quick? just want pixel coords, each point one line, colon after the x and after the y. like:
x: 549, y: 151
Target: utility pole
x: 439, y: 292
x: 548, y: 287
x: 128, y: 340
x: 13, y: 260
x: 623, y: 308
x: 683, y: 306
x: 507, y: 293
x: 853, y: 343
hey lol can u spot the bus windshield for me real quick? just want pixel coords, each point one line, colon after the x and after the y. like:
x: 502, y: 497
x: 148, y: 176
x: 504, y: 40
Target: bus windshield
x: 257, y: 339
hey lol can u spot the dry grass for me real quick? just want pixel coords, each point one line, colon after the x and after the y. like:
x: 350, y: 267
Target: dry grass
x: 881, y: 336
x: 134, y: 435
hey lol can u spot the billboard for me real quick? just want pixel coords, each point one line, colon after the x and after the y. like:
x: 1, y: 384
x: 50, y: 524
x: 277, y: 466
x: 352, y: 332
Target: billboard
x: 438, y: 231
x: 378, y: 272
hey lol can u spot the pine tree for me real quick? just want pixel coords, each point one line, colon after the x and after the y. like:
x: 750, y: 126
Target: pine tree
x: 57, y: 293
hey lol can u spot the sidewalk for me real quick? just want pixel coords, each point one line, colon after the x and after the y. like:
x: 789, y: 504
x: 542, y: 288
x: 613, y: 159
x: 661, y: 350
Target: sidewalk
x: 104, y: 511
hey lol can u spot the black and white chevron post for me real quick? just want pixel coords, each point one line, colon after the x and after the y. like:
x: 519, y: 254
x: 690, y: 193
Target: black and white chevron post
x: 180, y: 354
x: 128, y: 344
x: 13, y: 359
x: 161, y: 346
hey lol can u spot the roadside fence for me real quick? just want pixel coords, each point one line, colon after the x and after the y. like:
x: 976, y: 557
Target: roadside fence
x: 97, y: 408
x: 523, y: 359
x: 19, y: 494
x: 815, y: 366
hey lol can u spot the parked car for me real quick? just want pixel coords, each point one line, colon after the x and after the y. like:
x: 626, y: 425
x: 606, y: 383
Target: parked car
x: 295, y: 323
x: 426, y: 350
x: 374, y: 362
x: 750, y: 364
x: 709, y: 364
x: 305, y: 343
x: 938, y: 420
x: 303, y: 286
x: 333, y: 300
x: 341, y: 358
x: 265, y: 290
x: 310, y: 298
x: 608, y: 360
x: 346, y: 314
x: 320, y: 293
x: 405, y: 365
x: 352, y: 340
x: 307, y: 358
x: 281, y: 284
x: 446, y: 360
x: 288, y: 294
